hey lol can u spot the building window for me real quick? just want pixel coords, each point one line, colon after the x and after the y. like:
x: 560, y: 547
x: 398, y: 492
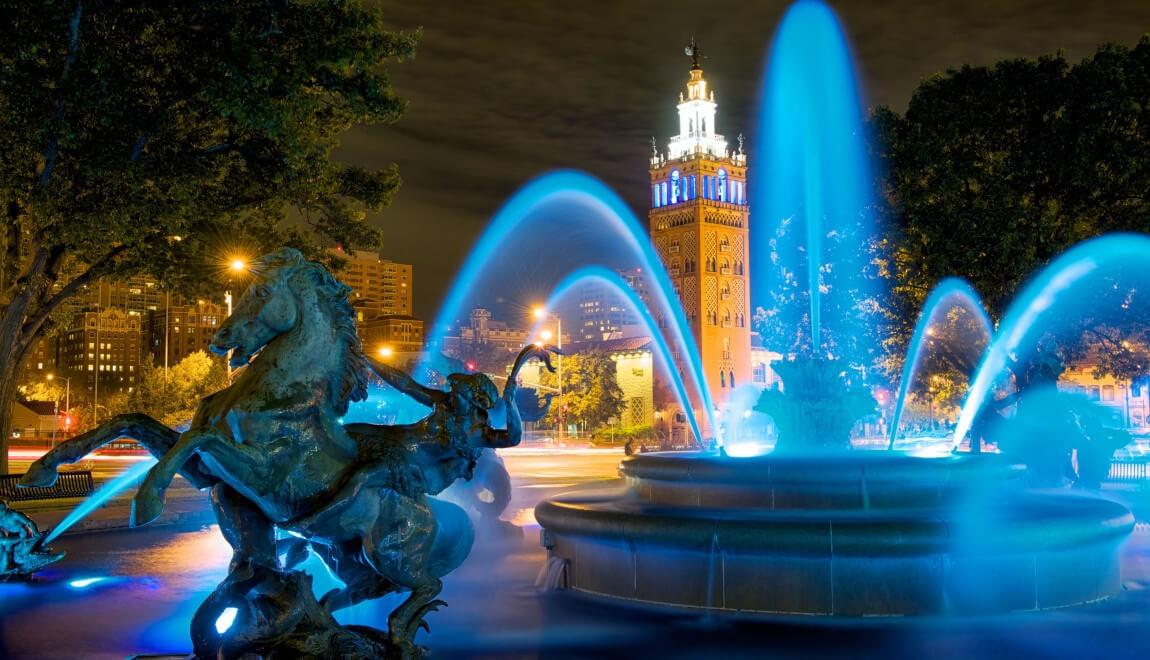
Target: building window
x: 676, y: 186
x: 731, y: 378
x: 722, y: 378
x: 1107, y: 392
x: 722, y: 186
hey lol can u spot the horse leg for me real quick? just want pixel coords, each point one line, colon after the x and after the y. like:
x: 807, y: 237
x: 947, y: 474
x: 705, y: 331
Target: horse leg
x: 252, y: 538
x: 154, y: 436
x: 148, y: 502
x: 361, y: 581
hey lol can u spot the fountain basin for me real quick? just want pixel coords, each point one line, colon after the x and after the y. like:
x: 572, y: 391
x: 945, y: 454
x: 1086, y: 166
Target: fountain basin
x: 858, y: 534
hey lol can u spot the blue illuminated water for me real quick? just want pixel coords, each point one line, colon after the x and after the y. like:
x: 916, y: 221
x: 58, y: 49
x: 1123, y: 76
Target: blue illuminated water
x: 97, y: 499
x: 945, y: 296
x: 581, y: 210
x: 1055, y: 295
x: 813, y: 223
x: 613, y: 281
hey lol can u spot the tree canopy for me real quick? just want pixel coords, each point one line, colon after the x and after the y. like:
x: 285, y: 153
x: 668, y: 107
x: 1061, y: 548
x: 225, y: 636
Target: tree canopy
x: 993, y: 171
x: 591, y: 393
x: 146, y: 137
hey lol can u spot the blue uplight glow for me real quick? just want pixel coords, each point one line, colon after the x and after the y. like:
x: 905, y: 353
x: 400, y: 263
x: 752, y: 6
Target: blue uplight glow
x: 101, y: 496
x: 84, y: 583
x: 226, y: 619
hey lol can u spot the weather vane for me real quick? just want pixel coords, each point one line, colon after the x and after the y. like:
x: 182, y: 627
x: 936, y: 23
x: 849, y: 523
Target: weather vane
x: 654, y: 147
x: 740, y: 142
x: 692, y: 51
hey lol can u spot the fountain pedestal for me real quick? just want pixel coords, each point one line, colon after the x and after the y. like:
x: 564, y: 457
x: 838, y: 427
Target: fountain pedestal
x: 855, y: 534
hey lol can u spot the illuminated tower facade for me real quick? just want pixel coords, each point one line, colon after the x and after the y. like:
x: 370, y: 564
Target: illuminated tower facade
x: 698, y: 221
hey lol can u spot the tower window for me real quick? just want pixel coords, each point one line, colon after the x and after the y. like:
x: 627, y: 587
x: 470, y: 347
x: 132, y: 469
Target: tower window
x: 676, y: 187
x: 722, y: 378
x: 722, y: 186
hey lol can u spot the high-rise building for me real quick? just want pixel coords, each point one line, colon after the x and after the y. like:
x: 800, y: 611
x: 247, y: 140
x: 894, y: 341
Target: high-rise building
x: 698, y: 221
x: 175, y: 332
x: 603, y: 314
x: 391, y: 333
x: 381, y: 285
x: 101, y: 354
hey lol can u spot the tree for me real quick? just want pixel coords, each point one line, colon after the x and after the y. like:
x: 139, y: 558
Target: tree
x: 145, y: 137
x: 173, y: 395
x: 996, y: 170
x: 591, y: 393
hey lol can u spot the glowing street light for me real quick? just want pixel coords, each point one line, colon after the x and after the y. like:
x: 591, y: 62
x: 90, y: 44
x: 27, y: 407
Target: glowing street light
x: 238, y: 265
x: 385, y: 352
x: 540, y: 313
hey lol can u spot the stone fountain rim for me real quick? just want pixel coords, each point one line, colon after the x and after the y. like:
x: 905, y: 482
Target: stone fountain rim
x: 873, y: 466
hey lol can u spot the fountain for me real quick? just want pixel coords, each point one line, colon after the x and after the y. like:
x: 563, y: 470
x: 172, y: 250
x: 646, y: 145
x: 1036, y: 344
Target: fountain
x: 814, y: 527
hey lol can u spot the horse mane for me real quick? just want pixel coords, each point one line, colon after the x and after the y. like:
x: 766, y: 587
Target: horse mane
x: 357, y: 373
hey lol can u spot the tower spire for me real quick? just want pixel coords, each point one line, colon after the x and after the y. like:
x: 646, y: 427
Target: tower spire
x: 692, y: 51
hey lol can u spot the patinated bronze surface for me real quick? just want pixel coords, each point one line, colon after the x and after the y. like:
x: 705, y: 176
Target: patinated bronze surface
x: 275, y: 455
x: 22, y: 549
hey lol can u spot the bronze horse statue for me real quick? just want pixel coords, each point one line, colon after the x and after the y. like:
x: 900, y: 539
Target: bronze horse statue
x: 273, y: 451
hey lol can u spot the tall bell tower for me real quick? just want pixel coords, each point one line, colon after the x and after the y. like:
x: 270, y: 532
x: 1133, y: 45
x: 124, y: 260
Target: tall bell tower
x: 698, y: 222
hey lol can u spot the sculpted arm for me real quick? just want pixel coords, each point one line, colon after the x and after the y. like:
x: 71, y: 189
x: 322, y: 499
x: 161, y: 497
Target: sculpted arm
x: 510, y: 436
x: 401, y: 381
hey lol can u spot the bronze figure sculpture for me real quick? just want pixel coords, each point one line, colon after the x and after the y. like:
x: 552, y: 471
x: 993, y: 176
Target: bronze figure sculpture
x: 22, y: 548
x: 275, y: 455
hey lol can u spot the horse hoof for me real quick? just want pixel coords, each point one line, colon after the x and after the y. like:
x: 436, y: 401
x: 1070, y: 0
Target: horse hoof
x: 145, y: 509
x: 38, y: 476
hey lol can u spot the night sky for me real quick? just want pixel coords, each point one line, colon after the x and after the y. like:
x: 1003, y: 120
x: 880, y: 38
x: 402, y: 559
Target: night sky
x: 501, y: 91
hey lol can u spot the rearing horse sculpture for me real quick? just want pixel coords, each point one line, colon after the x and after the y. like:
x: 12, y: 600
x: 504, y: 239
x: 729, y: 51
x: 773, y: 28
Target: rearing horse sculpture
x: 273, y: 452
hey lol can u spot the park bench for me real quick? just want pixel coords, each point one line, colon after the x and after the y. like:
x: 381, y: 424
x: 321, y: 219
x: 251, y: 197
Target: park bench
x: 76, y: 483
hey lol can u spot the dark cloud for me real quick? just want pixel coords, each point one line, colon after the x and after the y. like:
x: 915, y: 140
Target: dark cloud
x: 501, y: 91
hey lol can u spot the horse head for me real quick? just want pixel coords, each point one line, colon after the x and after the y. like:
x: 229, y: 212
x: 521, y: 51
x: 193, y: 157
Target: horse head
x: 267, y: 309
x: 289, y: 291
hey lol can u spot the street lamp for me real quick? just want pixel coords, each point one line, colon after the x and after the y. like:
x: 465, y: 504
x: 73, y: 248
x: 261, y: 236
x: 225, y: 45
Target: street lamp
x: 67, y: 403
x: 385, y: 352
x: 237, y: 266
x: 541, y: 314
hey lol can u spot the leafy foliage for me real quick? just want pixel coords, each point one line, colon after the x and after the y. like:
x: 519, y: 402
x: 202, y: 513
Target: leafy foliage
x: 591, y: 393
x: 147, y: 137
x: 172, y: 395
x: 996, y: 170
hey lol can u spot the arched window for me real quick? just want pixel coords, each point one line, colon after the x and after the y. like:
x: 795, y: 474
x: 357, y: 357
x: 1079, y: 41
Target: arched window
x: 691, y: 187
x: 703, y: 127
x: 690, y: 127
x: 721, y: 193
x: 722, y: 378
x: 676, y: 187
x: 655, y: 196
x: 731, y: 378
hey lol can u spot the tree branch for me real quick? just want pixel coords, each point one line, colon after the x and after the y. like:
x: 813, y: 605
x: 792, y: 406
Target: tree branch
x: 52, y: 149
x: 68, y: 290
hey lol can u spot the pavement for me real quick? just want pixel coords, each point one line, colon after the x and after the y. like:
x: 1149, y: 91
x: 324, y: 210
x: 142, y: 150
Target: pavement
x: 183, y: 505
